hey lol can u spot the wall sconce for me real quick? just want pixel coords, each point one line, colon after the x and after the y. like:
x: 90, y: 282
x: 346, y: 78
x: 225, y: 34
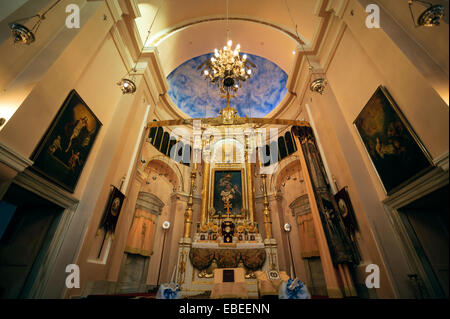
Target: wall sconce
x: 24, y: 35
x: 430, y: 17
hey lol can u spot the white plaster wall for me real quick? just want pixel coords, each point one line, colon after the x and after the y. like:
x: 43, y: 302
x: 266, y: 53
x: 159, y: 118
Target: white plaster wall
x: 365, y: 59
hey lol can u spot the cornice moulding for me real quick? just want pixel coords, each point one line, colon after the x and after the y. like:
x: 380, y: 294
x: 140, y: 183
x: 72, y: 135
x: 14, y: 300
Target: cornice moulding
x: 13, y: 159
x: 45, y: 189
x: 420, y: 187
x: 442, y: 161
x: 115, y: 10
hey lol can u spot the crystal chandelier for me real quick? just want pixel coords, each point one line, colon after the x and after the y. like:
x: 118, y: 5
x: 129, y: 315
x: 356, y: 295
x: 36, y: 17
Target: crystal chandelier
x: 228, y: 69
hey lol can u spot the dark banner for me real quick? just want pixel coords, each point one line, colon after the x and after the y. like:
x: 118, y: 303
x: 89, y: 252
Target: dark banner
x: 346, y: 209
x: 112, y: 211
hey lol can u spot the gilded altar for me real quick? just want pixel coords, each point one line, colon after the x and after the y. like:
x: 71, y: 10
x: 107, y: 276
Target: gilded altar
x: 227, y: 234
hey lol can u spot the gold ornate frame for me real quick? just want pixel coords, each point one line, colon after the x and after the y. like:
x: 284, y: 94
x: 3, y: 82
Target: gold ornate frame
x: 229, y: 167
x: 410, y: 130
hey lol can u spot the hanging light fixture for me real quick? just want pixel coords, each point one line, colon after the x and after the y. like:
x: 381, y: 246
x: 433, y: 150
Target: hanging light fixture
x: 430, y: 17
x: 318, y: 81
x: 318, y: 85
x: 24, y: 35
x: 227, y: 68
x: 127, y: 83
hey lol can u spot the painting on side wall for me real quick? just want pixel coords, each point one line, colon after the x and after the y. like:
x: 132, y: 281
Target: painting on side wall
x: 227, y: 192
x: 62, y: 153
x: 395, y: 150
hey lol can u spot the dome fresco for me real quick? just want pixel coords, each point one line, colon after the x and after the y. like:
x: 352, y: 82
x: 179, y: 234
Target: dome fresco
x: 197, y: 97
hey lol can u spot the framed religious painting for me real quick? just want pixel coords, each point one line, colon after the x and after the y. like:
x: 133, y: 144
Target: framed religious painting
x: 63, y: 151
x: 228, y: 192
x: 395, y: 150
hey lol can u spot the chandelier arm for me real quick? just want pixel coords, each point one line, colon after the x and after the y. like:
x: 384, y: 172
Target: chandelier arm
x: 251, y: 63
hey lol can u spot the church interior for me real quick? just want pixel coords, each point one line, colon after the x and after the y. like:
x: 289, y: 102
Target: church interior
x: 224, y: 149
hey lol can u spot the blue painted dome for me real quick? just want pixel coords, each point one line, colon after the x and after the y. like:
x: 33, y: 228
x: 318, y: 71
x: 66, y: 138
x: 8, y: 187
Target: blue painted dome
x: 196, y: 97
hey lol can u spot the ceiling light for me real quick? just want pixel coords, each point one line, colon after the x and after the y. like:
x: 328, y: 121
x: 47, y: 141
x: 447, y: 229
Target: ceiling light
x: 127, y: 84
x: 318, y: 80
x: 430, y: 17
x: 318, y: 85
x: 23, y: 34
x: 228, y: 69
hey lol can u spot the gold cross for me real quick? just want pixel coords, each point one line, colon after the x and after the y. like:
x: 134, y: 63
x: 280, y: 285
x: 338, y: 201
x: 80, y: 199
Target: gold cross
x: 228, y: 206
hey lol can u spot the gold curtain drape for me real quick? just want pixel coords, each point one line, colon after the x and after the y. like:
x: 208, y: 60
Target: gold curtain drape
x: 140, y: 237
x: 308, y: 242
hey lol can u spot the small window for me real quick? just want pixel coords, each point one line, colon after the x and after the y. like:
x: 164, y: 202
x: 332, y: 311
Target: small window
x: 289, y: 143
x: 152, y: 134
x: 159, y: 133
x: 187, y: 154
x: 282, y: 147
x: 165, y: 143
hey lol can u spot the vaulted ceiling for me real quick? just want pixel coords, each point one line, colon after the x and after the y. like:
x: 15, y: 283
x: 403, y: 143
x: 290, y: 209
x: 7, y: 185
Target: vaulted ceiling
x: 183, y: 30
x: 186, y: 29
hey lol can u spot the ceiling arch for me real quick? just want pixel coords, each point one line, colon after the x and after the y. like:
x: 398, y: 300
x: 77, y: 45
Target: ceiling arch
x: 156, y: 39
x: 174, y: 13
x: 185, y: 29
